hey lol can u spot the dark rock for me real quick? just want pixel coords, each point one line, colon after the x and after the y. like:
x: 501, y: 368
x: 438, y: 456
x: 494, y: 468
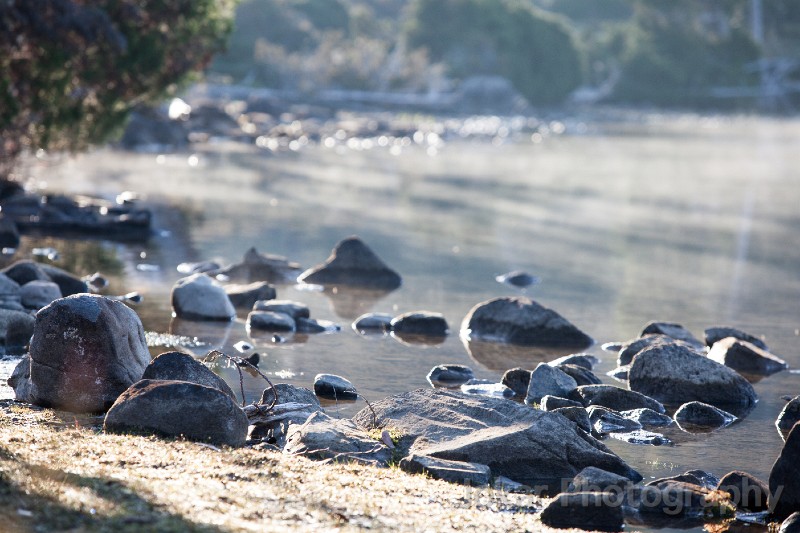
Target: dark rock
x: 287, y: 307
x: 245, y: 296
x: 584, y: 360
x: 550, y: 403
x: 518, y: 279
x: 789, y: 416
x: 177, y: 366
x: 334, y: 387
x: 620, y: 373
x: 178, y: 409
x: 372, y: 322
x: 745, y: 357
x: 606, y: 420
x: 9, y: 234
x: 718, y: 333
x: 198, y: 297
x: 269, y: 321
x: 450, y: 375
x: 747, y: 492
x: 538, y: 448
x: 676, y: 331
x: 614, y: 398
x: 199, y: 268
x: 791, y: 524
x: 38, y: 293
x: 260, y: 267
x: 584, y: 510
x: 485, y: 387
x: 322, y: 437
x: 521, y: 321
x: 67, y: 283
x: 705, y: 479
x: 14, y: 325
x: 580, y: 374
x: 648, y: 417
x: 25, y: 271
x: 310, y: 325
x: 577, y: 415
x: 545, y: 380
x: 702, y: 414
x: 420, y: 323
x: 517, y: 379
x: 593, y: 479
x: 353, y: 263
x: 291, y: 394
x: 631, y: 348
x: 453, y: 471
x: 9, y: 293
x: 784, y: 478
x: 686, y: 477
x: 677, y: 499
x: 85, y: 351
x: 286, y: 394
x: 674, y: 374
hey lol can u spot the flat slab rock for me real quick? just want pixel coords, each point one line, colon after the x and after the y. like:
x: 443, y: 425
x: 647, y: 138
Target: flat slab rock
x: 540, y: 449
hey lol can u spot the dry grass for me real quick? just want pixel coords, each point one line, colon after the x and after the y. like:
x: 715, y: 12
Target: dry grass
x: 60, y: 472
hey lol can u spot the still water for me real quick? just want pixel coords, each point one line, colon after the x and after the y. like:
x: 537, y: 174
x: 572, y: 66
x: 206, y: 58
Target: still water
x: 676, y: 218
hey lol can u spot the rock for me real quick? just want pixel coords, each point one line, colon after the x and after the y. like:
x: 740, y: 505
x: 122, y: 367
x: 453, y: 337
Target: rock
x: 322, y: 437
x: 450, y: 375
x: 420, y: 323
x: 593, y: 479
x: 631, y: 348
x: 745, y: 357
x: 676, y: 499
x: 85, y: 351
x: 713, y: 335
x: 485, y: 387
x: 518, y: 279
x: 686, y: 477
x: 676, y: 331
x: 200, y: 267
x: 177, y: 366
x: 538, y: 448
x: 290, y: 394
x: 453, y: 471
x: 545, y: 380
x: 178, y: 408
x: 9, y: 293
x: 551, y: 403
x: 198, y: 297
x: 580, y: 374
x: 269, y: 321
x: 309, y: 325
x: 372, y: 322
x: 789, y: 416
x: 517, y: 379
x: 20, y: 379
x: 504, y: 484
x: 584, y: 510
x: 521, y: 321
x: 791, y: 524
x: 577, y: 415
x: 24, y: 271
x: 245, y: 296
x: 260, y: 267
x: 648, y: 417
x: 614, y: 398
x: 286, y: 394
x: 15, y: 326
x: 702, y: 414
x: 704, y: 478
x: 606, y: 420
x: 620, y: 373
x: 784, y: 478
x: 674, y: 375
x: 334, y: 387
x: 747, y: 492
x: 584, y: 360
x: 9, y: 234
x: 640, y: 437
x: 67, y: 283
x: 38, y: 293
x: 352, y: 263
x: 287, y: 307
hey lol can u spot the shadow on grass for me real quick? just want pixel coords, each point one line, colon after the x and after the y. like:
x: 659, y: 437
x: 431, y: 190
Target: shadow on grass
x: 29, y: 501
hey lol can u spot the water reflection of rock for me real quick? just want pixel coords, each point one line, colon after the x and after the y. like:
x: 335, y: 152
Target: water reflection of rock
x: 350, y: 303
x: 215, y: 334
x: 502, y: 356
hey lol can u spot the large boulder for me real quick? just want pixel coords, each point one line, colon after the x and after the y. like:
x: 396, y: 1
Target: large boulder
x: 353, y: 264
x: 178, y: 409
x: 674, y: 375
x: 537, y: 448
x: 178, y: 366
x: 784, y: 478
x: 198, y: 297
x: 519, y: 320
x: 85, y: 351
x: 745, y: 357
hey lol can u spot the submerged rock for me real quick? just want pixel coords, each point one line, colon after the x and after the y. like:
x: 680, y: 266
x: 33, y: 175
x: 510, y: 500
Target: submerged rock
x: 420, y: 323
x: 713, y: 335
x: 521, y: 321
x: 198, y: 297
x: 178, y: 366
x: 702, y: 414
x: 595, y: 511
x: 745, y: 357
x: 372, y: 322
x: 310, y: 325
x: 334, y: 387
x: 270, y: 321
x: 450, y: 375
x: 245, y: 296
x: 260, y: 267
x: 485, y: 387
x: 518, y: 279
x: 352, y: 263
x: 287, y: 307
x: 584, y: 360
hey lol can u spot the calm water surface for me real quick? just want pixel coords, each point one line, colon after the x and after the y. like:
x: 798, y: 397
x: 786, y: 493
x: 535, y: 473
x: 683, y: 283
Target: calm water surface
x: 683, y: 219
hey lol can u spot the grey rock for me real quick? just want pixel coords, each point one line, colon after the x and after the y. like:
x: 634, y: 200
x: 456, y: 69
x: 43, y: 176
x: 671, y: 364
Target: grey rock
x: 334, y: 387
x: 178, y: 408
x: 286, y: 394
x: 716, y: 334
x: 584, y: 360
x: 545, y: 380
x: 256, y: 266
x: 550, y: 403
x: 505, y: 484
x: 372, y: 322
x: 16, y: 328
x: 310, y: 325
x: 606, y: 420
x: 352, y: 263
x: 620, y: 373
x: 518, y: 279
x: 20, y: 379
x: 676, y: 331
x: 677, y: 499
x: 420, y: 323
x: 584, y: 510
x: 784, y: 478
x: 641, y: 437
x: 747, y: 491
x: 648, y: 417
x: 702, y: 414
x: 450, y: 375
x: 68, y: 283
x: 614, y: 398
x: 322, y: 437
x: 593, y: 479
x: 25, y: 271
x: 453, y: 471
x: 518, y: 380
x: 177, y: 366
x: 38, y: 293
x: 9, y: 233
x: 791, y: 524
x: 8, y: 287
x: 245, y: 296
x: 270, y: 321
x: 485, y: 387
x: 198, y: 267
x: 580, y: 374
x: 674, y: 375
x: 631, y: 348
x: 198, y: 297
x: 687, y: 477
x: 745, y: 357
x: 521, y: 321
x: 291, y: 394
x: 706, y: 479
x: 577, y: 415
x: 287, y: 307
x: 538, y: 448
x: 85, y: 351
x: 789, y: 416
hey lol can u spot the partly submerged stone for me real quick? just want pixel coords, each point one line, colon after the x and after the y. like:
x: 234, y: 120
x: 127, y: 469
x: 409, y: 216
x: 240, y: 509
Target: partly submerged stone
x: 522, y: 321
x: 548, y: 380
x: 270, y: 321
x: 334, y: 387
x: 745, y: 357
x: 593, y: 479
x: 198, y: 297
x: 372, y: 323
x: 676, y: 331
x: 256, y: 266
x: 451, y: 375
x: 583, y: 360
x: 605, y: 420
x: 715, y: 334
x: 245, y: 296
x: 581, y: 375
x: 648, y: 417
x: 596, y: 511
x: 747, y: 492
x: 352, y: 263
x: 486, y: 387
x: 288, y: 307
x: 615, y: 398
x: 701, y: 414
x: 425, y: 323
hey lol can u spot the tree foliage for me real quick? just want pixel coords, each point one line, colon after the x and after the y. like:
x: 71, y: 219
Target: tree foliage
x: 70, y: 71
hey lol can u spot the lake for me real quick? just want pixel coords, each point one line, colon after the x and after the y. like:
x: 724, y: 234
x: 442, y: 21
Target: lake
x: 677, y: 218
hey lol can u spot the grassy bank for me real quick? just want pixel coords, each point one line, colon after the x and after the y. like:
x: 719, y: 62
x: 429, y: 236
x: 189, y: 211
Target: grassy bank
x: 58, y: 471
